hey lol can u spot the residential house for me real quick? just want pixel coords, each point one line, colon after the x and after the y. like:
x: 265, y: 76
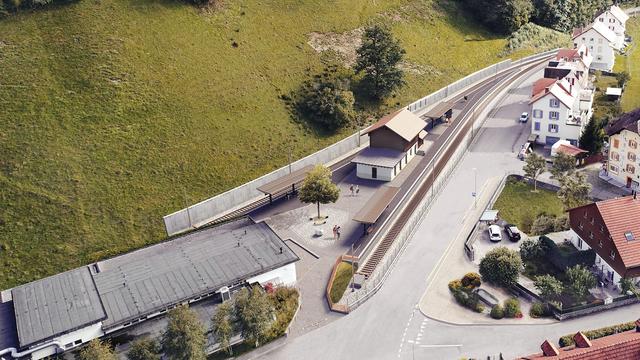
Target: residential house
x: 623, y: 165
x: 555, y: 111
x: 615, y: 19
x: 611, y: 228
x: 600, y: 41
x: 393, y: 141
x: 619, y: 346
x: 64, y: 311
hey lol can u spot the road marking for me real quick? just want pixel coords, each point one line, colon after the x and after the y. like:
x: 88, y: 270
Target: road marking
x: 440, y: 346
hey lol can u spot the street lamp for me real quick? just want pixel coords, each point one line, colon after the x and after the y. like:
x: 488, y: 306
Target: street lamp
x: 475, y: 187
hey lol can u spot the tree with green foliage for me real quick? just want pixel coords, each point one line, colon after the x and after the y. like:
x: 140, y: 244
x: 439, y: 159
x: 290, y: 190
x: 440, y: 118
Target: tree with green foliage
x: 563, y: 164
x: 548, y: 286
x: 379, y: 57
x: 628, y: 285
x: 502, y: 16
x: 222, y: 326
x: 622, y: 78
x: 97, y: 350
x: 501, y: 266
x: 592, y: 138
x: 580, y: 280
x: 255, y: 314
x: 530, y: 249
x: 574, y: 190
x: 534, y: 166
x: 327, y: 99
x: 543, y: 224
x: 144, y: 349
x: 318, y: 188
x: 184, y: 338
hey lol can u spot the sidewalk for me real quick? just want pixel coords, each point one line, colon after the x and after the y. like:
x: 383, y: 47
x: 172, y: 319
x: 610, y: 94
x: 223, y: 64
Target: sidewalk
x: 437, y: 302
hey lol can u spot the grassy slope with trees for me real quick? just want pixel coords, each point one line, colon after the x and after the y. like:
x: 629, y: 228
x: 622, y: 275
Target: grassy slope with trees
x: 115, y: 113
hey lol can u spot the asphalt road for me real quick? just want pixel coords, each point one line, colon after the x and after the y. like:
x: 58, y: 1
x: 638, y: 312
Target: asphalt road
x: 390, y: 326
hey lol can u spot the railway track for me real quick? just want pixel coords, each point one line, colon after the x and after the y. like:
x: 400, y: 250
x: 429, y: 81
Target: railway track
x: 439, y: 160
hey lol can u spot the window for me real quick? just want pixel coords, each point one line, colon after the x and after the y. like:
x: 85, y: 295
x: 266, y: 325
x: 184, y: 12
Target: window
x: 591, y: 39
x: 554, y: 115
x: 580, y: 225
x: 580, y: 243
x: 537, y: 114
x: 601, y: 19
x: 599, y: 49
x: 599, y: 57
x: 631, y: 156
x: 585, y: 214
x: 631, y: 169
x: 615, y: 156
x: 591, y: 235
x: 616, y: 143
x: 633, y: 144
x: 613, y: 254
x: 593, y: 220
x: 613, y: 169
x: 599, y: 41
x: 628, y: 235
x: 78, y: 342
x: 374, y: 172
x: 536, y: 126
x: 553, y: 128
x: 554, y: 103
x: 601, y: 229
x: 600, y: 243
x: 611, y: 21
x: 69, y: 345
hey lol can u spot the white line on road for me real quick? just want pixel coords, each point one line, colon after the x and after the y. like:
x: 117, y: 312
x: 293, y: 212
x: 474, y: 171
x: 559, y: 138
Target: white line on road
x: 440, y: 346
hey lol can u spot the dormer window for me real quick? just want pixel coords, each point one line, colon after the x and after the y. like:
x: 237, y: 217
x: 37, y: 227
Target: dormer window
x: 629, y: 236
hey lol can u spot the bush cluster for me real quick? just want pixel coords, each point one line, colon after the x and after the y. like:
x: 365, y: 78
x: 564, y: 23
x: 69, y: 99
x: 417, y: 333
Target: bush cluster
x: 538, y: 310
x: 462, y: 290
x: 512, y: 308
x: 567, y: 340
x: 285, y: 302
x: 501, y: 266
x: 497, y: 312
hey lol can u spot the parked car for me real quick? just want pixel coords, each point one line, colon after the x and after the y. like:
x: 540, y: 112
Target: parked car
x: 494, y: 233
x: 512, y: 232
x: 524, y: 117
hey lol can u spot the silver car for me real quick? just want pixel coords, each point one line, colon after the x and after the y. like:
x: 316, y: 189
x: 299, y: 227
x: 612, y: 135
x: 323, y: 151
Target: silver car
x: 494, y: 233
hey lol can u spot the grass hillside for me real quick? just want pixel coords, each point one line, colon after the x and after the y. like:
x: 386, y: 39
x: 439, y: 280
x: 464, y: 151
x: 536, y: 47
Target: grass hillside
x: 116, y: 112
x: 631, y: 96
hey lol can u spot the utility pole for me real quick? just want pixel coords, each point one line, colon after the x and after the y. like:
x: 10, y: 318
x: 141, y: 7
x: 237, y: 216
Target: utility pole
x: 353, y: 287
x: 290, y: 156
x: 186, y: 204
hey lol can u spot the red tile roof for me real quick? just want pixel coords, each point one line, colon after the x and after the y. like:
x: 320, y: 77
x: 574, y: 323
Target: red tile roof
x: 621, y: 216
x: 567, y: 54
x: 627, y: 121
x: 581, y: 340
x: 622, y: 346
x: 540, y: 85
x: 570, y: 150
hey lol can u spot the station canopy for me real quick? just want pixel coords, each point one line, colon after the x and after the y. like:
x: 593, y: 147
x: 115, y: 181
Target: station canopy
x: 440, y: 110
x: 372, y: 210
x: 286, y: 182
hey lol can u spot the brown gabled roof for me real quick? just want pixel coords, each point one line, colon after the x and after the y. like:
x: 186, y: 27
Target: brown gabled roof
x: 402, y: 122
x: 621, y: 216
x: 570, y: 150
x: 621, y: 346
x: 567, y: 54
x: 541, y: 85
x: 627, y: 121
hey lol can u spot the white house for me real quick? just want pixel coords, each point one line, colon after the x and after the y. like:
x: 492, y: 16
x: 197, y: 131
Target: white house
x: 601, y: 42
x: 393, y: 141
x: 615, y: 19
x: 556, y: 112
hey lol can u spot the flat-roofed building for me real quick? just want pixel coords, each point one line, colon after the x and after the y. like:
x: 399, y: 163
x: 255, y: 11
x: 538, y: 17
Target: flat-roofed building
x: 66, y: 310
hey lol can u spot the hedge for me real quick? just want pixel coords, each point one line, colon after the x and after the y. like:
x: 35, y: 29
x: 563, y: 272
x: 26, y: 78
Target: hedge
x: 567, y: 340
x: 563, y: 261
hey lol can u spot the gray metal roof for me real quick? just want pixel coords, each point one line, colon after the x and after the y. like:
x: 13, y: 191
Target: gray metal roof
x: 148, y: 280
x: 55, y: 305
x: 8, y: 335
x: 382, y: 157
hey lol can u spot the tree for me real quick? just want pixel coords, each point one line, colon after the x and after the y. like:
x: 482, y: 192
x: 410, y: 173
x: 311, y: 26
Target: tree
x: 534, y: 166
x: 514, y: 14
x: 548, y: 286
x: 530, y: 249
x: 622, y: 78
x: 255, y: 314
x: 318, y: 188
x: 222, y: 327
x: 592, y: 137
x: 574, y: 190
x: 580, y: 280
x: 563, y: 164
x: 97, y: 350
x: 327, y: 100
x: 543, y: 224
x: 378, y: 57
x: 184, y: 338
x: 501, y: 266
x: 144, y: 349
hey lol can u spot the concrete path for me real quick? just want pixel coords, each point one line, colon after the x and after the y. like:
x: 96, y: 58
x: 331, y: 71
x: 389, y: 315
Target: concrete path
x: 390, y: 325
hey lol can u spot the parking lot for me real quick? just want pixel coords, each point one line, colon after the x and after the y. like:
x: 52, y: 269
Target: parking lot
x: 483, y: 244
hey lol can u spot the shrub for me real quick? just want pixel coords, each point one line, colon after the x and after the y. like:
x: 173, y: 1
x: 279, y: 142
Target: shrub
x: 512, y: 308
x: 455, y: 285
x: 561, y: 223
x: 580, y: 280
x: 537, y: 310
x: 327, y: 100
x: 497, y: 312
x: 501, y: 266
x: 543, y: 224
x: 530, y: 249
x: 548, y: 286
x: 471, y: 280
x: 627, y: 285
x: 567, y: 340
x: 285, y: 303
x: 478, y: 307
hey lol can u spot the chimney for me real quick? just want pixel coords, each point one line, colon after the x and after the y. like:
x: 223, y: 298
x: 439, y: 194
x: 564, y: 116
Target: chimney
x: 548, y: 349
x: 581, y: 340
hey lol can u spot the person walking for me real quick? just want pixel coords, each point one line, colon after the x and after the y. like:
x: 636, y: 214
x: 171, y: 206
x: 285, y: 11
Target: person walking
x: 338, y: 232
x: 357, y: 189
x: 335, y: 232
x: 351, y: 189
